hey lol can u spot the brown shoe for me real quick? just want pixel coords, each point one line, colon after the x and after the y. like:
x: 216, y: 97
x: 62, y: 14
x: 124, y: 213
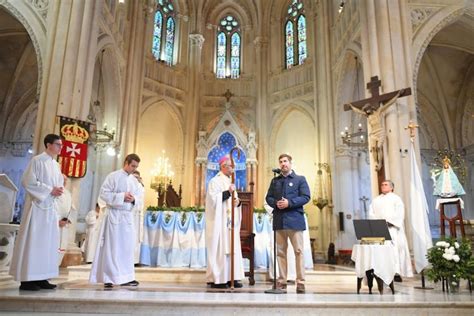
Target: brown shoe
x: 300, y: 288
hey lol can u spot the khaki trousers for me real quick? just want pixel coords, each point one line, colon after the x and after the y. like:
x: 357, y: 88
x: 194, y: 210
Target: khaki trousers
x: 296, y: 239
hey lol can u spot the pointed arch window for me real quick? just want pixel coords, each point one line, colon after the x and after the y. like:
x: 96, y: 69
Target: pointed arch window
x: 164, y: 31
x: 228, y: 48
x: 295, y: 35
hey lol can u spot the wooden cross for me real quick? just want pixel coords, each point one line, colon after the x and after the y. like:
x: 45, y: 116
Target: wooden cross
x: 370, y: 105
x: 412, y: 126
x: 228, y: 95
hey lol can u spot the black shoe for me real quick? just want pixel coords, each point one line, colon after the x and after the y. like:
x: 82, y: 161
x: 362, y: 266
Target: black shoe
x: 131, y: 283
x: 397, y: 278
x: 219, y: 285
x: 108, y: 285
x: 237, y: 284
x: 44, y: 284
x: 29, y: 286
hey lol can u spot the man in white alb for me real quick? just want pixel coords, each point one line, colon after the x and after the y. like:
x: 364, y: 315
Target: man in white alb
x: 138, y: 215
x: 218, y: 229
x: 35, y: 257
x: 114, y: 258
x: 93, y: 220
x: 63, y: 207
x: 389, y: 206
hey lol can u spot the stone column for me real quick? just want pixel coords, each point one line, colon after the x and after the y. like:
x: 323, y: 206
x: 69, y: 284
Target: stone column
x: 386, y: 47
x: 323, y: 104
x: 69, y: 64
x: 346, y: 186
x: 202, y: 184
x: 191, y: 117
x: 68, y: 72
x: 262, y: 127
x: 140, y: 30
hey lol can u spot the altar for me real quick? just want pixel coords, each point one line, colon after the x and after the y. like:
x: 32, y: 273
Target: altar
x: 177, y: 239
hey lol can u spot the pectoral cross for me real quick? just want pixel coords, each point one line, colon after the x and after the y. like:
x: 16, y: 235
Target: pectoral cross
x: 372, y: 104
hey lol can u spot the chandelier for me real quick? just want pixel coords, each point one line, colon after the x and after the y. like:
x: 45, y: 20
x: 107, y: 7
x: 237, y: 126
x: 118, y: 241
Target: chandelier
x: 355, y: 139
x: 359, y: 137
x: 102, y: 139
x: 161, y: 174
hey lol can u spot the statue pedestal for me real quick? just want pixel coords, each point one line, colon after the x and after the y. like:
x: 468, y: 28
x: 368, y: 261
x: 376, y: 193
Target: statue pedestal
x: 7, y: 241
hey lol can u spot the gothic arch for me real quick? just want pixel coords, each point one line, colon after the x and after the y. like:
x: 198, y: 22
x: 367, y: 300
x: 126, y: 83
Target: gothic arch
x: 279, y: 118
x: 25, y: 126
x: 168, y: 104
x: 430, y: 28
x: 241, y: 12
x: 35, y: 27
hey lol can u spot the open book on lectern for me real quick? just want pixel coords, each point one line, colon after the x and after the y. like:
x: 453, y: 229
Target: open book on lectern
x: 371, y: 228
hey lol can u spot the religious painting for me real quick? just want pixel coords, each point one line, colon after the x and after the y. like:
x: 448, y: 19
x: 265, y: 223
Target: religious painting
x: 73, y: 156
x: 224, y: 144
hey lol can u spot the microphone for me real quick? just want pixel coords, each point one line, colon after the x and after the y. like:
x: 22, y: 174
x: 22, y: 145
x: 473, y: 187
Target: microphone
x: 276, y: 170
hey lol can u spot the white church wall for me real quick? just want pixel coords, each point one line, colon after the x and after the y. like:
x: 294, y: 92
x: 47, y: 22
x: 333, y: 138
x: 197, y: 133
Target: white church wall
x: 295, y: 136
x: 158, y: 130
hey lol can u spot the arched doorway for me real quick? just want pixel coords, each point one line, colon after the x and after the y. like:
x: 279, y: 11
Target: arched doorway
x: 18, y: 99
x: 445, y: 94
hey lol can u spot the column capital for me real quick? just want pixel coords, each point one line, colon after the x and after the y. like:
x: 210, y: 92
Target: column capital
x: 196, y: 40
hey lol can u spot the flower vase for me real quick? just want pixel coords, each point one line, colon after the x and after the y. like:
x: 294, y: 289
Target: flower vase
x: 453, y: 285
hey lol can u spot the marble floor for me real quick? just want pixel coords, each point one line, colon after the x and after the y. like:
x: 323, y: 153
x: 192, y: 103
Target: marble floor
x: 76, y: 296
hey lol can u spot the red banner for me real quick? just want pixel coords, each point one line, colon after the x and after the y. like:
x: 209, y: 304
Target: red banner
x: 73, y: 156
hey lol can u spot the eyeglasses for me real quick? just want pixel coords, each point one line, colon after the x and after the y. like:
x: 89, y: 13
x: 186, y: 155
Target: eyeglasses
x: 58, y: 144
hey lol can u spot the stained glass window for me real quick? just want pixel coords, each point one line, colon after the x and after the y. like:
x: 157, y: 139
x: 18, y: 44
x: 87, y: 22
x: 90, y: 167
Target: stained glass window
x: 157, y: 35
x: 169, y: 40
x: 290, y: 56
x: 228, y: 48
x: 164, y: 31
x: 221, y: 54
x: 295, y: 35
x: 235, y: 56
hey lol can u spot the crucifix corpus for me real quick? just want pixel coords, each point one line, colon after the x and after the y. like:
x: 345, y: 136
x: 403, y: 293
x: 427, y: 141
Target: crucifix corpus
x: 373, y: 108
x: 378, y: 102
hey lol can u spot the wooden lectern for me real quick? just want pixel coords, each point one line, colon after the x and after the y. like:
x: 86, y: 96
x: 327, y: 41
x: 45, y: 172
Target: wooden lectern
x: 246, y: 232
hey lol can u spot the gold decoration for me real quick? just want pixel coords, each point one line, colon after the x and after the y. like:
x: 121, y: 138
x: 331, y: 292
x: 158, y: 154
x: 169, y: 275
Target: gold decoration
x: 75, y: 133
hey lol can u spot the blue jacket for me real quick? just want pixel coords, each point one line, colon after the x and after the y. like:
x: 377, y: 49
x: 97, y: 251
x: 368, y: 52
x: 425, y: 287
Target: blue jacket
x: 296, y: 190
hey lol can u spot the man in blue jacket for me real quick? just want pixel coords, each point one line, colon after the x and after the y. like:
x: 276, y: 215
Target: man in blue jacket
x: 287, y: 194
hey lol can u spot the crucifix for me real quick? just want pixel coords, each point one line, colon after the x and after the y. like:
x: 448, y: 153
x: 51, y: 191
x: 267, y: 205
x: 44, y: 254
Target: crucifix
x: 373, y: 108
x: 227, y: 96
x: 370, y: 105
x: 412, y: 127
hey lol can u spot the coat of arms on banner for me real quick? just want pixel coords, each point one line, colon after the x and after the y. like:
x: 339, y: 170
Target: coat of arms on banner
x: 73, y: 156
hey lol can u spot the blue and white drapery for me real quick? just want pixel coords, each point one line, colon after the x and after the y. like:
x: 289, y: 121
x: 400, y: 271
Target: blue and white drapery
x: 169, y: 242
x: 262, y: 227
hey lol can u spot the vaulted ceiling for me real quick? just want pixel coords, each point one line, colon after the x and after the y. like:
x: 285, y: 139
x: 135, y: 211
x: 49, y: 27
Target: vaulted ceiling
x: 18, y: 72
x: 446, y: 85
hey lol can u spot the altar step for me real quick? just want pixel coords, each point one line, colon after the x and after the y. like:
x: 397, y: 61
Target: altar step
x: 6, y: 279
x: 322, y: 274
x: 75, y: 297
